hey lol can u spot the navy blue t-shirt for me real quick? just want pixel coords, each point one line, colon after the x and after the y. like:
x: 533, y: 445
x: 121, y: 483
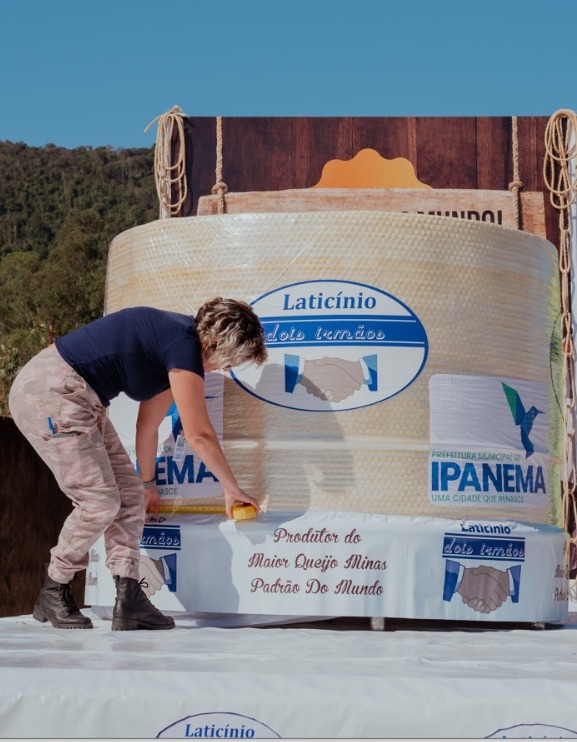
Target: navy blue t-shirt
x: 132, y: 351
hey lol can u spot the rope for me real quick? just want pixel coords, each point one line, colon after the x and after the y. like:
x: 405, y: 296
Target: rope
x: 220, y: 187
x: 516, y: 185
x: 166, y: 174
x: 562, y: 193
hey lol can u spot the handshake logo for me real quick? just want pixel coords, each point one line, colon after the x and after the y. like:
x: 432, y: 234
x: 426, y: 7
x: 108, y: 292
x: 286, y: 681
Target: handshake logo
x: 483, y: 588
x: 329, y: 343
x: 154, y: 573
x: 330, y: 379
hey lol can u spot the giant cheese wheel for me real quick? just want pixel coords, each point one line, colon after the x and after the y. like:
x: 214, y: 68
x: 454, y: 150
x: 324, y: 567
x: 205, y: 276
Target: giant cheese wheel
x: 486, y: 298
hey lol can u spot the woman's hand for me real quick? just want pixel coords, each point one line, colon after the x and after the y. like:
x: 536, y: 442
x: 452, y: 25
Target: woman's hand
x: 151, y: 500
x: 238, y: 497
x: 188, y: 390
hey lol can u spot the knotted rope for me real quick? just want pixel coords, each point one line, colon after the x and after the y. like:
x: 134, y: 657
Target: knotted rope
x: 516, y: 185
x: 220, y: 187
x: 561, y: 181
x: 168, y: 175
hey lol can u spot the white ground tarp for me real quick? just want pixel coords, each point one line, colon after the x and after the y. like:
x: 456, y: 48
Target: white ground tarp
x: 419, y: 681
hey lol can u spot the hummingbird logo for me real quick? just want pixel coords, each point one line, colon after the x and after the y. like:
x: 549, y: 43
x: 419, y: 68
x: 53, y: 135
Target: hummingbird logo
x: 524, y: 419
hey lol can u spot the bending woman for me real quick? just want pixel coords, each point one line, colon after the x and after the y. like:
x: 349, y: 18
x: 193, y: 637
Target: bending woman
x: 59, y: 400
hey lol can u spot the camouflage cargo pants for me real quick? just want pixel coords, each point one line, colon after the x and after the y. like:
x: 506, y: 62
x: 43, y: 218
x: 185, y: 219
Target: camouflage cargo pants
x: 64, y: 420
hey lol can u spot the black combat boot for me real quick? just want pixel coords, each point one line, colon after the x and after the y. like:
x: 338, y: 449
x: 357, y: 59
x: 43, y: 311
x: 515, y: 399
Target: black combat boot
x: 56, y: 604
x: 133, y: 610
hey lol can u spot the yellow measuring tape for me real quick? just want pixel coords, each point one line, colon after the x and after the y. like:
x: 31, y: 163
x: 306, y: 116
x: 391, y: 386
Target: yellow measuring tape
x: 239, y: 512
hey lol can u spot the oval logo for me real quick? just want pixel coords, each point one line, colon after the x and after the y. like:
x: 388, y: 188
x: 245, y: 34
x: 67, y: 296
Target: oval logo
x: 217, y: 725
x: 533, y: 731
x: 334, y: 345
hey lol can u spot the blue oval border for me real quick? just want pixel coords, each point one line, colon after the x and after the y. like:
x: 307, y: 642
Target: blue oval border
x: 357, y: 407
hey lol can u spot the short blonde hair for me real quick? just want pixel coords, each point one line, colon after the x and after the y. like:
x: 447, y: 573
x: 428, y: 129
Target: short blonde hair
x: 230, y: 333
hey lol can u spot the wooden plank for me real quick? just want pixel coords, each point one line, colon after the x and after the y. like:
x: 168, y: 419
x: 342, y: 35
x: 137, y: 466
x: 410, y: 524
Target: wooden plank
x: 447, y: 149
x: 257, y: 153
x: 533, y: 214
x: 201, y: 178
x: 390, y: 137
x: 531, y: 132
x: 481, y: 205
x: 315, y: 142
x: 493, y: 153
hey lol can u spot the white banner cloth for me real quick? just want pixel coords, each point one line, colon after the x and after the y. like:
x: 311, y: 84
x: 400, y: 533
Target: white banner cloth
x: 347, y: 564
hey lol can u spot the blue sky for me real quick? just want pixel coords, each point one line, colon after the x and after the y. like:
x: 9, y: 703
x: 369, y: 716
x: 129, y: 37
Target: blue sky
x: 74, y: 72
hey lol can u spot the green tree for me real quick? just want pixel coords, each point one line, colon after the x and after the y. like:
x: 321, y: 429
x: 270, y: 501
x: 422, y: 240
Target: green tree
x: 18, y: 283
x: 71, y: 279
x: 22, y: 331
x: 59, y: 210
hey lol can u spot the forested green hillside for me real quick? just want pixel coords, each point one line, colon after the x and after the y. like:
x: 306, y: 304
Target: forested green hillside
x: 59, y: 210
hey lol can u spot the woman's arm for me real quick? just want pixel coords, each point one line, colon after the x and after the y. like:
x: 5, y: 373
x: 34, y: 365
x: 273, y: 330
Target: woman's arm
x: 150, y: 414
x: 188, y: 391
